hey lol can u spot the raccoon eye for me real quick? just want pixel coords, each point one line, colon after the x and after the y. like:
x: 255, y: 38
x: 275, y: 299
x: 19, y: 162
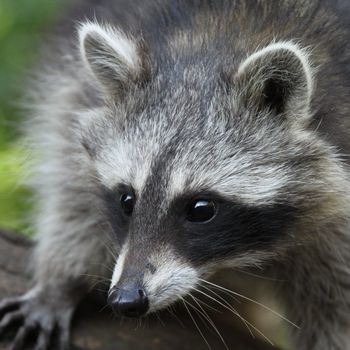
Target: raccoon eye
x: 127, y: 203
x: 201, y: 210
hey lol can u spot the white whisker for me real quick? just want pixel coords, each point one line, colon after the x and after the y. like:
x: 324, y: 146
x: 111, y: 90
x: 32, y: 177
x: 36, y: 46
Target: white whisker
x: 230, y: 308
x: 211, y: 322
x: 172, y: 313
x: 253, y: 301
x: 195, y: 323
x: 238, y: 315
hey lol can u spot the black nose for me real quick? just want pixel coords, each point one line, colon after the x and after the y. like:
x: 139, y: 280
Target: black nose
x: 131, y: 302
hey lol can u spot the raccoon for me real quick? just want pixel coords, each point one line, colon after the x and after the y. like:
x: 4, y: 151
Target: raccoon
x: 176, y: 138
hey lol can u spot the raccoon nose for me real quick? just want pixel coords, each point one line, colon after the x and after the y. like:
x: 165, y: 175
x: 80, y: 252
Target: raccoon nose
x: 131, y: 302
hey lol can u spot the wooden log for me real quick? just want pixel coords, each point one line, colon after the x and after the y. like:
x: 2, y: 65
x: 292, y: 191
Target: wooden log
x: 94, y: 329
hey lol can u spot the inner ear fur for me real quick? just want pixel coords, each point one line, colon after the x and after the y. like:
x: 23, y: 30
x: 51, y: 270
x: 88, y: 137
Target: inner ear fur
x: 278, y: 77
x: 115, y: 59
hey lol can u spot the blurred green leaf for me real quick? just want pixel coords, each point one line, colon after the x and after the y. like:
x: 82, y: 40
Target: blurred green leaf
x: 14, y: 197
x: 22, y: 22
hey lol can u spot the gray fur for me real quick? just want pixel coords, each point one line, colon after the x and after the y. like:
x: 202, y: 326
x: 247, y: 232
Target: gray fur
x: 187, y: 110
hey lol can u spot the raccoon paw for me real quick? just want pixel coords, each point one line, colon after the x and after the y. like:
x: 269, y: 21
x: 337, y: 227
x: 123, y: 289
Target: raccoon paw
x: 36, y: 319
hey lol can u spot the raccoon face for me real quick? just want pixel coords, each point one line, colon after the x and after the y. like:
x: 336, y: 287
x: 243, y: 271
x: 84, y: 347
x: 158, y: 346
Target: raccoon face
x: 200, y: 173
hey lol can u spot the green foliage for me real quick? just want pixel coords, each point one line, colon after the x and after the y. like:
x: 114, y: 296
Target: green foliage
x: 22, y: 24
x: 14, y: 197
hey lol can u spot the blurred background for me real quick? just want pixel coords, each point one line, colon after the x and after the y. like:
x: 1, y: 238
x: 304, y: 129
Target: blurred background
x: 23, y: 24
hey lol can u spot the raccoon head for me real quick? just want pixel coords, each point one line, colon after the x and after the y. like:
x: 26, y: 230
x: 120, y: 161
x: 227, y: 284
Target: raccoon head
x: 204, y: 163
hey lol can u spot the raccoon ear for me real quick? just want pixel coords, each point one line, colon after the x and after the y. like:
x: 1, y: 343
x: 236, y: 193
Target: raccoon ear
x: 113, y: 57
x: 279, y: 78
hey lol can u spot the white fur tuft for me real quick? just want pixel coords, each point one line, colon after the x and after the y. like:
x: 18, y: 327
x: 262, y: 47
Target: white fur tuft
x: 173, y: 279
x: 119, y: 266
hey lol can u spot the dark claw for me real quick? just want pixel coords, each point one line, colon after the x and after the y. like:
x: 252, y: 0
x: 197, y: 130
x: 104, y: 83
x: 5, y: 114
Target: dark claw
x: 7, y: 305
x: 22, y: 335
x: 43, y: 340
x: 10, y: 319
x: 36, y: 322
x: 64, y: 337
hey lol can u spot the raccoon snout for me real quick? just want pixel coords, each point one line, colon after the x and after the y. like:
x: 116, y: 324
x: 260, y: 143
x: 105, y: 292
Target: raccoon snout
x: 129, y: 301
